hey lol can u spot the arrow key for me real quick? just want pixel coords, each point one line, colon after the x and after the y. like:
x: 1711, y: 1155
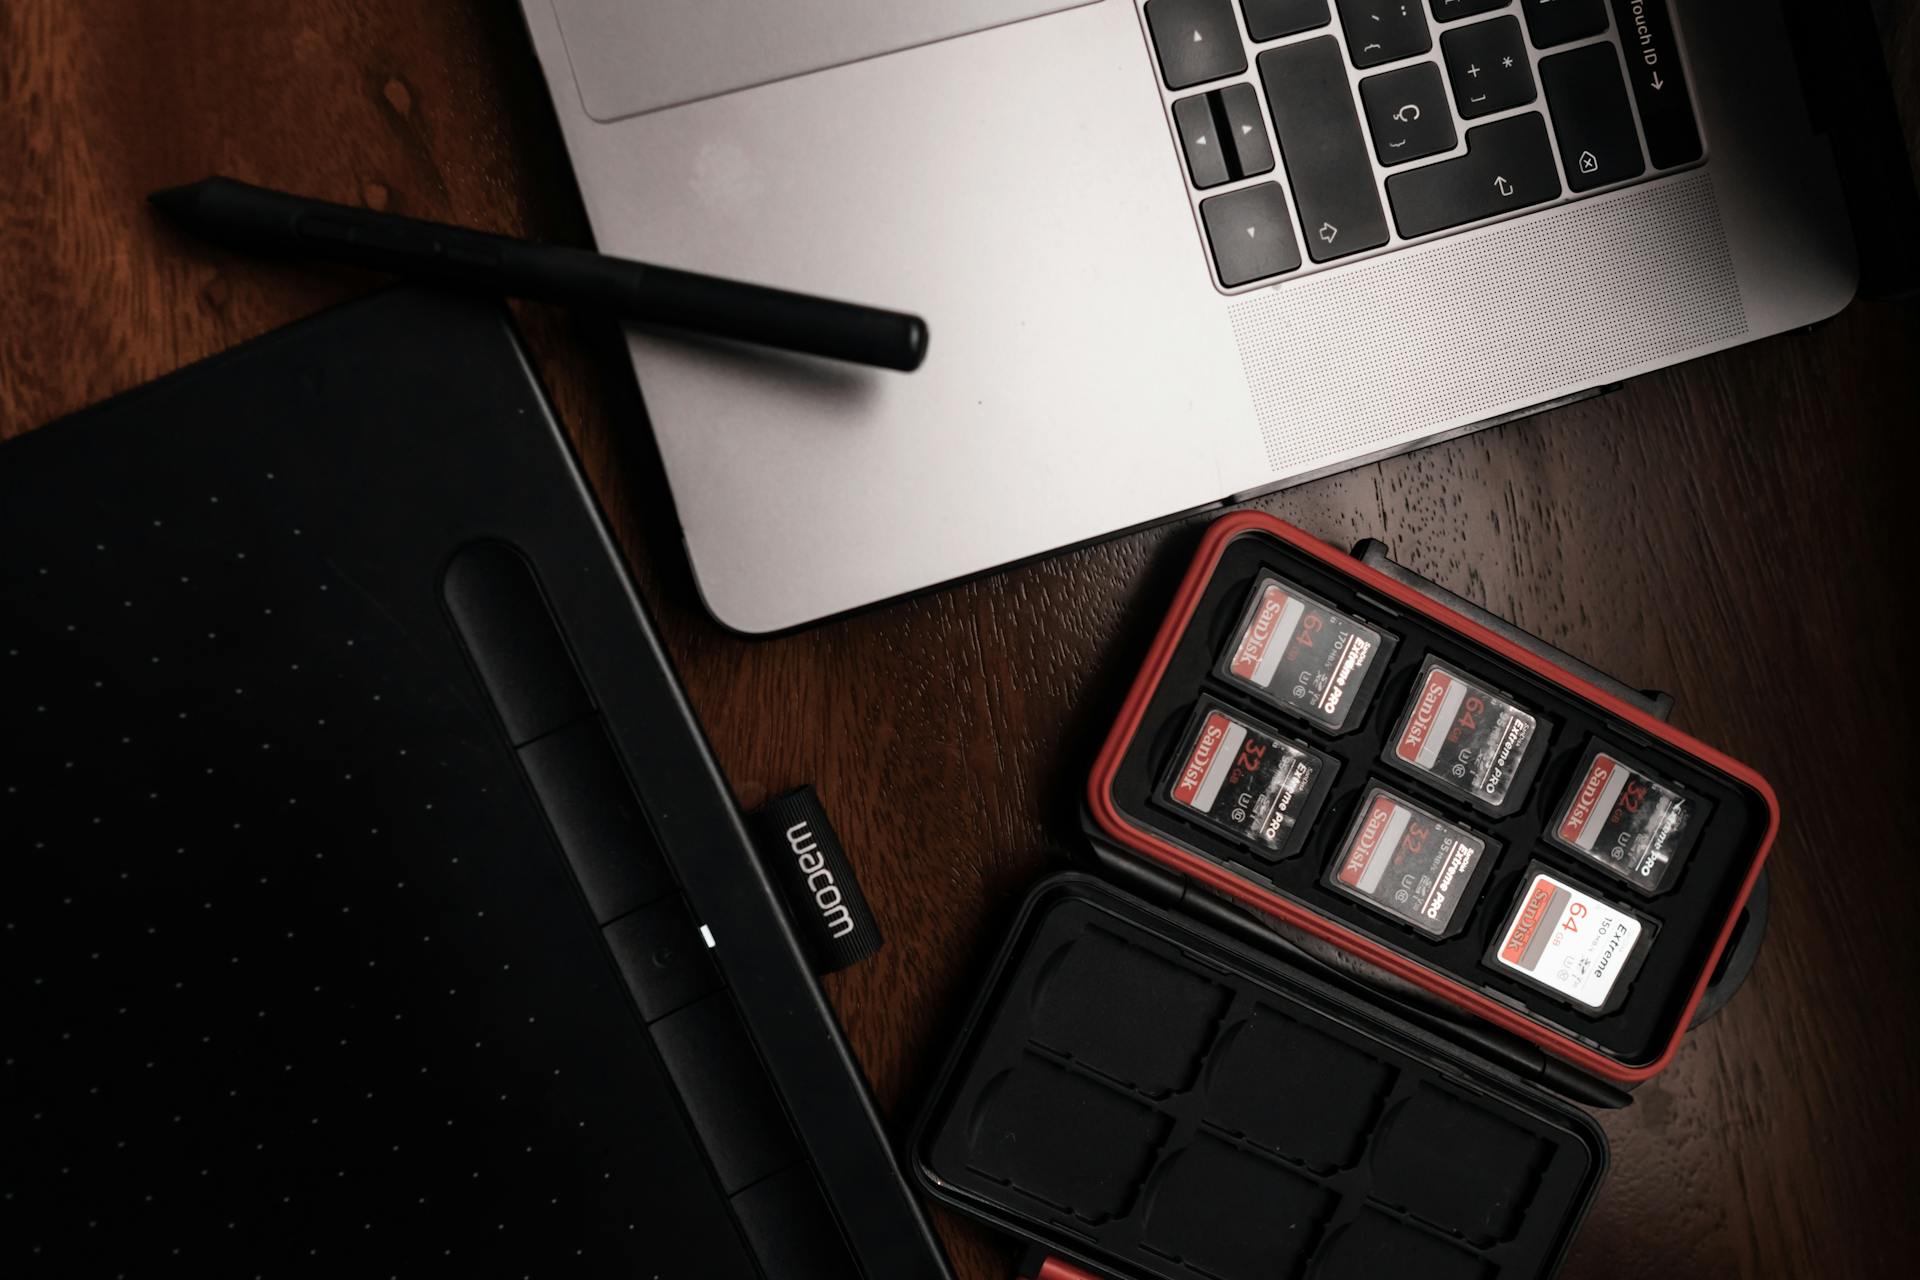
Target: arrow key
x: 1250, y: 234
x: 1196, y: 40
x: 1200, y: 139
x: 1238, y: 111
x: 1223, y: 136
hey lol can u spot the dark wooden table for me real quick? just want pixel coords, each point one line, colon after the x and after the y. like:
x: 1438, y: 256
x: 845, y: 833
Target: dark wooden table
x: 1740, y: 531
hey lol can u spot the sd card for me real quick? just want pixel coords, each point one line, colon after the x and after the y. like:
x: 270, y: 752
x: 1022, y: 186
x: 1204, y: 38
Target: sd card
x: 1570, y: 942
x: 1468, y: 739
x: 1303, y: 656
x: 1628, y: 820
x: 1246, y: 781
x: 1410, y: 864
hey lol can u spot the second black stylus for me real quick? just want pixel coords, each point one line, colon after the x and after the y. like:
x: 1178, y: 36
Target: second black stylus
x: 244, y: 216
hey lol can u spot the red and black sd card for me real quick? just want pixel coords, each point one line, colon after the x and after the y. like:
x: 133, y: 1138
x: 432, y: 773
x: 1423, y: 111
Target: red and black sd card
x: 1303, y: 656
x: 1410, y: 864
x: 1627, y: 820
x: 1246, y: 781
x: 1468, y: 739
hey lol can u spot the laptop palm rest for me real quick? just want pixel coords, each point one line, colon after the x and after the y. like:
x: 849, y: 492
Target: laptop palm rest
x: 632, y: 58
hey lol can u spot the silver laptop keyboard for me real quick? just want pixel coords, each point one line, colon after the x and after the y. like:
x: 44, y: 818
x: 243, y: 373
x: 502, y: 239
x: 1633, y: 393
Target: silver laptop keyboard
x: 1349, y: 126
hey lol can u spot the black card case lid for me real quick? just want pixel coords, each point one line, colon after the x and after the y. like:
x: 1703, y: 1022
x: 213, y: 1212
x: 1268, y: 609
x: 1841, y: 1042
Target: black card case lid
x: 1145, y: 1097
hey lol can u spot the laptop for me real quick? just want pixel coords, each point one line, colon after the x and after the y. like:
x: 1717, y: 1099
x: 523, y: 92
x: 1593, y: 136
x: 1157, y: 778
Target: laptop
x: 374, y: 904
x: 1172, y: 252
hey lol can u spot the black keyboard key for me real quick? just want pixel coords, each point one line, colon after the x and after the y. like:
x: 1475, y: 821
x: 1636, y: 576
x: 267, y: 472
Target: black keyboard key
x: 1449, y: 10
x: 1553, y: 22
x: 1200, y: 140
x: 1271, y: 19
x: 1508, y: 165
x: 1319, y: 133
x: 1384, y: 30
x: 1237, y: 108
x: 1223, y: 136
x: 1196, y: 40
x: 1250, y: 235
x: 1407, y: 113
x: 1487, y: 63
x: 1591, y: 116
x: 1659, y: 83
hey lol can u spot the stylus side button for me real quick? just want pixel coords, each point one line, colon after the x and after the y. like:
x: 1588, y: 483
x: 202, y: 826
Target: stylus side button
x: 662, y: 956
x: 502, y: 617
x: 726, y: 1091
x: 596, y: 818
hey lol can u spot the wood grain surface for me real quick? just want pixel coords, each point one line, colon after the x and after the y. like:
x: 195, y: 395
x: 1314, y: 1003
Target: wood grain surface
x: 1739, y: 531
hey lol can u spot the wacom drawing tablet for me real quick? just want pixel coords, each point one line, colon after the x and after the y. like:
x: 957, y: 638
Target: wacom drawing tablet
x: 373, y: 904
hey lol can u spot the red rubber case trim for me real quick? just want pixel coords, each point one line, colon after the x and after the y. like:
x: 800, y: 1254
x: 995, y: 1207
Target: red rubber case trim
x: 1128, y: 836
x: 1054, y: 1269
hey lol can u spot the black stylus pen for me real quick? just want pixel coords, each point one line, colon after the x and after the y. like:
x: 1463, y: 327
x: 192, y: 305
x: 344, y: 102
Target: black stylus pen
x: 274, y: 222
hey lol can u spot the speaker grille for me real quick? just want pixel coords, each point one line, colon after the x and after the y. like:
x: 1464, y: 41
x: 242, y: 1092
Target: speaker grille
x: 1353, y: 363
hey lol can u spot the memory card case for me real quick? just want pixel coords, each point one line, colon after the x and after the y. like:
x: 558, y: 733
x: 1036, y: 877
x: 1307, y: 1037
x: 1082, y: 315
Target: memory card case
x: 1199, y: 1063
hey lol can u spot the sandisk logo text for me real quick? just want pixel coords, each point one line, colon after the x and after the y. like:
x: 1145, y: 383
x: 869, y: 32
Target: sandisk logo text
x: 1246, y: 659
x: 1537, y: 899
x: 1576, y: 820
x: 1367, y: 841
x: 1422, y: 719
x: 826, y: 894
x: 1196, y: 771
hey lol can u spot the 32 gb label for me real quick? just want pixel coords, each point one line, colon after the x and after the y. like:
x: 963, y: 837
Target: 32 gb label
x: 1246, y: 781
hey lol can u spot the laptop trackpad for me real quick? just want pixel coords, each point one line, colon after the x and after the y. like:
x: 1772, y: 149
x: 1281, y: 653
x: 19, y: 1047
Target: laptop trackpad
x: 633, y: 56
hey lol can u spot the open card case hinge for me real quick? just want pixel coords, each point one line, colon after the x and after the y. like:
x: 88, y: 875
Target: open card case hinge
x: 1488, y: 1046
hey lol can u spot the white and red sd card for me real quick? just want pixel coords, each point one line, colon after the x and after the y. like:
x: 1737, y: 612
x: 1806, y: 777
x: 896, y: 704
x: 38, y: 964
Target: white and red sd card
x: 1627, y: 820
x: 1570, y: 942
x: 1303, y: 656
x: 1403, y: 861
x: 1247, y: 782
